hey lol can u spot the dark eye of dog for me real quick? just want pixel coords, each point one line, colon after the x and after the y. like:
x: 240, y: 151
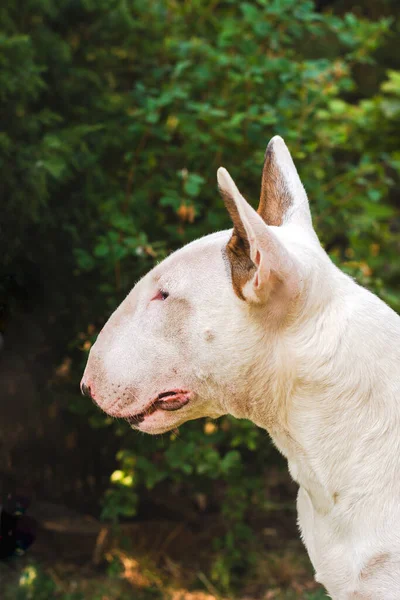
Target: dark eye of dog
x: 161, y: 295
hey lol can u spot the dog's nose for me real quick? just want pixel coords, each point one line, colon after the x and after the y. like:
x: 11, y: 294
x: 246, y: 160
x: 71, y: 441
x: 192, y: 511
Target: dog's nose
x: 85, y: 389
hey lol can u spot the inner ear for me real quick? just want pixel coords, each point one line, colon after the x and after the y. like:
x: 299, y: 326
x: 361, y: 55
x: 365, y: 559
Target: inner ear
x: 242, y: 267
x: 283, y: 199
x: 259, y: 261
x: 275, y: 197
x: 238, y: 248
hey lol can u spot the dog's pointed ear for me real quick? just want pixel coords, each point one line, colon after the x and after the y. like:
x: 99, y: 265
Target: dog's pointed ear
x: 259, y: 262
x: 283, y: 198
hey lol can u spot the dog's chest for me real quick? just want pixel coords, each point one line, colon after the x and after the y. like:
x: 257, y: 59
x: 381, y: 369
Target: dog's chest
x: 328, y: 550
x: 302, y: 471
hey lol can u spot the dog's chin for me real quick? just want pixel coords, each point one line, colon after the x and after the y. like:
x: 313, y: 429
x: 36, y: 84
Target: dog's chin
x: 161, y: 414
x: 158, y: 422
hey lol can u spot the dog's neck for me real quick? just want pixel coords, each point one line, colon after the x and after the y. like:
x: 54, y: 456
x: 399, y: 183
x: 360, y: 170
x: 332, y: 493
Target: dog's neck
x: 327, y: 384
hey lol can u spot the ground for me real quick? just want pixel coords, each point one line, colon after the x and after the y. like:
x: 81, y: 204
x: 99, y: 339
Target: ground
x: 77, y: 558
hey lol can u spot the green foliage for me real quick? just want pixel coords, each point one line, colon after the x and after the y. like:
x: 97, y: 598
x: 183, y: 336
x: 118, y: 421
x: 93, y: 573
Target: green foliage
x: 116, y: 116
x: 34, y: 584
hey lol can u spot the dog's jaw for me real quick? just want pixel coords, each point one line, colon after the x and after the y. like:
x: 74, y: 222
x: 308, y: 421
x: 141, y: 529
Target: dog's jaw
x: 156, y: 416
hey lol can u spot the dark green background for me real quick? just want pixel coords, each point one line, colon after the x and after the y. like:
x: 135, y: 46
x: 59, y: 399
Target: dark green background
x: 115, y: 115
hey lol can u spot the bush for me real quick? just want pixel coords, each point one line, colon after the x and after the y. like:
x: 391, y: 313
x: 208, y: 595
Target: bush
x: 116, y: 116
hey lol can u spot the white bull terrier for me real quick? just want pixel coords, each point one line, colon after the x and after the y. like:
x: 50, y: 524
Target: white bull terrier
x: 257, y: 322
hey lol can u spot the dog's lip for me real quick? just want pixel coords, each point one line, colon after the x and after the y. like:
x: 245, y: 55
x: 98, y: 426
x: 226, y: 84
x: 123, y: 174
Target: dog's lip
x: 169, y: 401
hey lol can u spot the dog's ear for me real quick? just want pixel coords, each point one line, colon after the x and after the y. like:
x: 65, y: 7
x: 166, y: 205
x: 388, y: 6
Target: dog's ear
x: 259, y: 262
x: 283, y: 198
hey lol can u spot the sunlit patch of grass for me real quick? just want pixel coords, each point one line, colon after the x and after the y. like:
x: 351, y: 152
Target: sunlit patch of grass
x: 28, y: 577
x: 31, y: 583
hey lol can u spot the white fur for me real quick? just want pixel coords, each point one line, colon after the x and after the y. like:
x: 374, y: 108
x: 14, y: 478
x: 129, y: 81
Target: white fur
x: 323, y: 379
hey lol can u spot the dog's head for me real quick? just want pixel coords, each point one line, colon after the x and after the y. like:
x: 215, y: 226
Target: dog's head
x: 198, y: 335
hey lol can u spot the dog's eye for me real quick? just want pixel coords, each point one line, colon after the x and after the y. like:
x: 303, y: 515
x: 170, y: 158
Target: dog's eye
x: 161, y: 295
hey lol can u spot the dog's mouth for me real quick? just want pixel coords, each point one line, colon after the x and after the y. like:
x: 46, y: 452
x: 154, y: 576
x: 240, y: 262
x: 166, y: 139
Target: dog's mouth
x: 168, y: 401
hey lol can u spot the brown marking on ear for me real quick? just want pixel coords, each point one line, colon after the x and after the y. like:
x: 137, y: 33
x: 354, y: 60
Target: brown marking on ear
x: 374, y: 565
x: 238, y: 249
x: 335, y: 497
x: 234, y: 214
x: 275, y: 198
x: 242, y: 267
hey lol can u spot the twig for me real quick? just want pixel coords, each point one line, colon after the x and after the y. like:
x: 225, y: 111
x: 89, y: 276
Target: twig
x: 100, y: 545
x: 208, y: 585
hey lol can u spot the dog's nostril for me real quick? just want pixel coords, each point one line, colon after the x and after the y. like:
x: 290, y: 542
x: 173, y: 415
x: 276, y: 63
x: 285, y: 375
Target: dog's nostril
x: 85, y: 389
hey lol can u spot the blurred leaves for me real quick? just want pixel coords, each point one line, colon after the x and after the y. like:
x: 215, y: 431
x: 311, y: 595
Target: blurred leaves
x: 115, y: 117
